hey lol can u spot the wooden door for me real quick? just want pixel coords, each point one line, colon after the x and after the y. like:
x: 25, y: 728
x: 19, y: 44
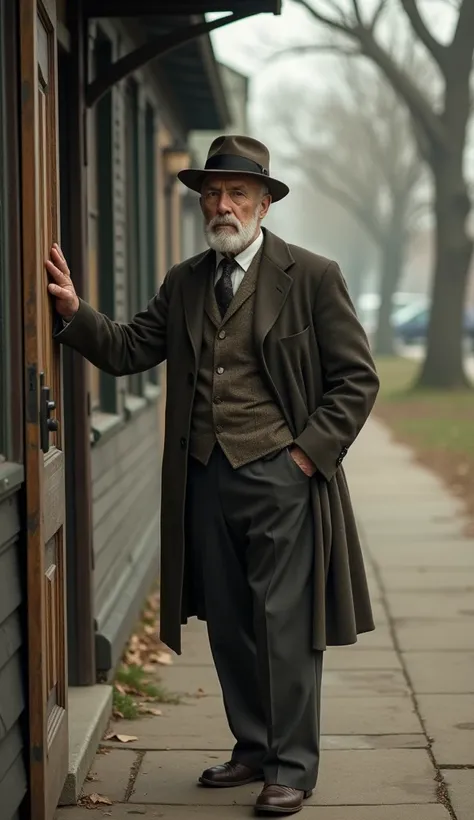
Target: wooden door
x: 45, y: 497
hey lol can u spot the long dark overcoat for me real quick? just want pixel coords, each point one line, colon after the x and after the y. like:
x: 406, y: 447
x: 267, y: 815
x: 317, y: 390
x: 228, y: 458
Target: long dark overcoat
x: 315, y: 357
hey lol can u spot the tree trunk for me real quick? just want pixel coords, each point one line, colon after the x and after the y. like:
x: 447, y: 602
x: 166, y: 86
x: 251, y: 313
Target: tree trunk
x: 444, y: 363
x: 392, y: 265
x: 355, y: 272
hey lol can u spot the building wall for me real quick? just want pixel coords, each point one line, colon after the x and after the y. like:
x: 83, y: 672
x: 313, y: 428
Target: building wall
x: 13, y: 635
x: 128, y: 257
x: 13, y: 704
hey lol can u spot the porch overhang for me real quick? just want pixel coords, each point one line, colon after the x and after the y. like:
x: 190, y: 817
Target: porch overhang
x: 137, y: 8
x: 169, y: 27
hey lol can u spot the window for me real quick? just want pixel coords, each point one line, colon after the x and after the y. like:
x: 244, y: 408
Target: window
x: 151, y: 215
x: 100, y: 223
x: 133, y: 208
x: 11, y: 369
x: 121, y: 225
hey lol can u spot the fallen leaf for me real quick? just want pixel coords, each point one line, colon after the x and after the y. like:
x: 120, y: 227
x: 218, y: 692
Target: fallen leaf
x: 99, y: 799
x: 146, y: 710
x: 164, y: 658
x: 120, y: 738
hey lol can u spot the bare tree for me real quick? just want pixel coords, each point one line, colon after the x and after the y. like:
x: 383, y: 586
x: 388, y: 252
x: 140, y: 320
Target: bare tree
x: 441, y: 132
x: 357, y: 148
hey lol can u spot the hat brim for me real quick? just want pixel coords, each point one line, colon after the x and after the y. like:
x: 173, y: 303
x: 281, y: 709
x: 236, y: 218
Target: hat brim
x: 194, y: 178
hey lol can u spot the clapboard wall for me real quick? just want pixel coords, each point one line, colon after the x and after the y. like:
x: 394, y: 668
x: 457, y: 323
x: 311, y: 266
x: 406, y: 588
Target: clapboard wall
x: 126, y: 471
x: 13, y: 680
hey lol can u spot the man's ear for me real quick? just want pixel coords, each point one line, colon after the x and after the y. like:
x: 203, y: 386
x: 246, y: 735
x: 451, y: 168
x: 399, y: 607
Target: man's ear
x: 265, y: 206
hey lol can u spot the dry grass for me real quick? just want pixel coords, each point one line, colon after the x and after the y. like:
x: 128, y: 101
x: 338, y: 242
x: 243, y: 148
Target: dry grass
x: 439, y: 426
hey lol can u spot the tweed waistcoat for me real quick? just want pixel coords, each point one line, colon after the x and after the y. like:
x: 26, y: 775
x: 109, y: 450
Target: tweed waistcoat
x: 233, y: 405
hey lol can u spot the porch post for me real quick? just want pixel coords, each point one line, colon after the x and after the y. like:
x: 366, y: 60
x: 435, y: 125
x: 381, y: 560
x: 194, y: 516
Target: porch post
x: 81, y: 640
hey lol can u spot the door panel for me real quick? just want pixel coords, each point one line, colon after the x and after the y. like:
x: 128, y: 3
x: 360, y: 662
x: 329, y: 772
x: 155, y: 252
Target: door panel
x: 45, y: 495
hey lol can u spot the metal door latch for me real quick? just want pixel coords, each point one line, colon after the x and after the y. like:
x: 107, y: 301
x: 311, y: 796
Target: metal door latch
x: 47, y: 424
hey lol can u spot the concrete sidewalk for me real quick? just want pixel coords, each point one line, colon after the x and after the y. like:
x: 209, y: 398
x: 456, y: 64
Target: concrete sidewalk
x: 398, y: 708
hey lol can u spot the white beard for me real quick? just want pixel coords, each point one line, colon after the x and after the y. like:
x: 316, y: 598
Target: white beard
x: 230, y: 242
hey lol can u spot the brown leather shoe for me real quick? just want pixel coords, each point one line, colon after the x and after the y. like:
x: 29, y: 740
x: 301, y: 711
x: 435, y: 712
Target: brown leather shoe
x: 230, y: 774
x: 276, y: 799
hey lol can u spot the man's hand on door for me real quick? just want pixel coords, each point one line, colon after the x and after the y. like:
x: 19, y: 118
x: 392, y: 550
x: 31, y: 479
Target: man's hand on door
x: 67, y: 301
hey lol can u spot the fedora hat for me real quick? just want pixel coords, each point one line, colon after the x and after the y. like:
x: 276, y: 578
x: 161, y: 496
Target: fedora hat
x: 239, y: 156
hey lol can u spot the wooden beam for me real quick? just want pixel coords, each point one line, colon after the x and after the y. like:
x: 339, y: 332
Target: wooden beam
x: 136, y: 8
x: 155, y: 48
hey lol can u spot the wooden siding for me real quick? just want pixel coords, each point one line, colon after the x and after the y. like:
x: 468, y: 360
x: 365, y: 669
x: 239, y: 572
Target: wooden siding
x: 126, y: 472
x: 13, y: 777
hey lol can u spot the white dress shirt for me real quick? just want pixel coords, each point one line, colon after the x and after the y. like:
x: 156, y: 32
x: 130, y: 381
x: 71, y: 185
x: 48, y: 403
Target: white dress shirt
x: 243, y: 261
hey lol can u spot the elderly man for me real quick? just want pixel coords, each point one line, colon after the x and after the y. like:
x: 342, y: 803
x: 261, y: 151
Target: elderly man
x: 269, y: 381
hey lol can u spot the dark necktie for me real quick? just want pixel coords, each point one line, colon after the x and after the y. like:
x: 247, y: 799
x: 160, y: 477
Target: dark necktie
x: 223, y: 289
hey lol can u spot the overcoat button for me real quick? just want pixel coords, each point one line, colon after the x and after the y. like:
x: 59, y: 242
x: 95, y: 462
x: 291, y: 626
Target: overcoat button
x: 184, y: 443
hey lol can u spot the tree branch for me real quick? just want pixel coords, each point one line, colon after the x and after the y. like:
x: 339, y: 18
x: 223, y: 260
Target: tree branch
x: 368, y: 220
x: 316, y: 48
x: 463, y: 40
x: 377, y: 14
x: 437, y: 50
x: 357, y: 12
x: 339, y: 25
x: 415, y: 100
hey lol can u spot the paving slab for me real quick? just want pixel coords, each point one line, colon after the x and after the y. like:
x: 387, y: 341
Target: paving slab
x: 450, y: 722
x: 441, y: 672
x: 407, y: 552
x: 452, y: 605
x: 461, y: 792
x: 432, y: 635
x: 363, y: 683
x: 380, y: 638
x: 421, y: 578
x: 357, y: 658
x: 126, y: 812
x: 382, y: 777
x: 336, y: 683
x: 347, y: 742
x: 201, y: 724
x: 111, y: 774
x: 365, y: 716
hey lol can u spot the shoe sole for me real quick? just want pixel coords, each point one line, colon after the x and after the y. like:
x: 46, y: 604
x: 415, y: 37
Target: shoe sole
x: 259, y: 810
x: 212, y: 784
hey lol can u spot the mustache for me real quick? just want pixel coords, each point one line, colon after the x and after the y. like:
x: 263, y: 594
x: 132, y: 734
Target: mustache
x: 228, y: 219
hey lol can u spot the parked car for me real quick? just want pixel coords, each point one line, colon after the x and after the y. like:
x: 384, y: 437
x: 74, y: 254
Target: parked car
x: 368, y: 306
x: 411, y: 325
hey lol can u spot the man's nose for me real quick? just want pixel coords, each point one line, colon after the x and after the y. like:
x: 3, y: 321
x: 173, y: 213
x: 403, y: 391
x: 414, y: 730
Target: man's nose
x: 224, y: 204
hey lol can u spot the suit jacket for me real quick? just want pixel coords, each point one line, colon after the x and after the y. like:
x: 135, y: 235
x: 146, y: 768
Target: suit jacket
x: 316, y: 359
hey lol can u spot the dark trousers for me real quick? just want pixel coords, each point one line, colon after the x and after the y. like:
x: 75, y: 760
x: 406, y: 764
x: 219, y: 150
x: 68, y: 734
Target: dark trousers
x: 252, y: 541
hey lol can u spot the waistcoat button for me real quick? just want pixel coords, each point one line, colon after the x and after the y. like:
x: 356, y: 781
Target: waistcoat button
x: 219, y: 429
x: 222, y: 334
x: 183, y: 443
x: 219, y: 370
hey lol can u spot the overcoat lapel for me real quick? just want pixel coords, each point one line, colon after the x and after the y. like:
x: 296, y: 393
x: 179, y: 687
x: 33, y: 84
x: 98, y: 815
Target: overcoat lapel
x: 273, y: 286
x: 194, y: 291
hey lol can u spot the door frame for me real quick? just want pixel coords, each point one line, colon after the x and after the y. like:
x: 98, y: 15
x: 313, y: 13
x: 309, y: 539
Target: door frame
x: 79, y: 526
x: 45, y: 504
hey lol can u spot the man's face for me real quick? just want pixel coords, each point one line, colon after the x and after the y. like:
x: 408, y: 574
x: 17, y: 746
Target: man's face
x: 233, y: 208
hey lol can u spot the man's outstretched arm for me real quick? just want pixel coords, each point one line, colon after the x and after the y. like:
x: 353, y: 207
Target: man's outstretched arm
x: 116, y: 348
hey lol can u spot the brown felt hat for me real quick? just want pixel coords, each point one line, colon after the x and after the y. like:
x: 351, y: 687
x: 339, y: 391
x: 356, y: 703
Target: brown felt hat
x: 239, y: 156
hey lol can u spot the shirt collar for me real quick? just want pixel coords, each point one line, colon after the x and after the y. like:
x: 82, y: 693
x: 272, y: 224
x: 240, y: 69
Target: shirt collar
x: 244, y: 259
